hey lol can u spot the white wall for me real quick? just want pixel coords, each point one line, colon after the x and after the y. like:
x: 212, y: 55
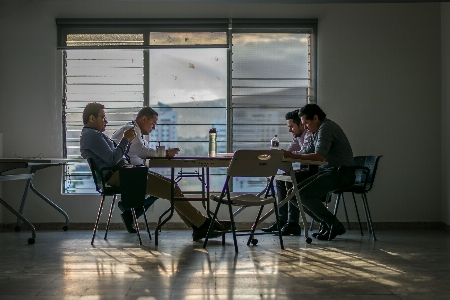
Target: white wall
x: 379, y: 78
x: 445, y: 35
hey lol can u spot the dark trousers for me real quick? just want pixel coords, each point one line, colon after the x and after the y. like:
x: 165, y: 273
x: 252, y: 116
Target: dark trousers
x: 139, y: 211
x: 290, y: 212
x: 313, y: 190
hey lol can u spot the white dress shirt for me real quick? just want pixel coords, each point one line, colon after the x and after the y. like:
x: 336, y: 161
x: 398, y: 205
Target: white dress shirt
x: 139, y: 148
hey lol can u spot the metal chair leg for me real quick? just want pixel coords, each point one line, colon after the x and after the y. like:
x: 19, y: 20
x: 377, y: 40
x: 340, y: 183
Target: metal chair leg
x: 146, y: 224
x: 345, y: 209
x: 233, y: 227
x: 252, y: 231
x: 357, y: 214
x: 279, y: 229
x: 136, y: 225
x: 370, y: 217
x: 367, y: 217
x: 211, y: 225
x: 311, y: 225
x: 98, y: 218
x: 109, y: 216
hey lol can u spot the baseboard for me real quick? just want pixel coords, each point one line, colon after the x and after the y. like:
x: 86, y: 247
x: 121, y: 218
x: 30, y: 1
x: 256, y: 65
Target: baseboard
x: 239, y: 225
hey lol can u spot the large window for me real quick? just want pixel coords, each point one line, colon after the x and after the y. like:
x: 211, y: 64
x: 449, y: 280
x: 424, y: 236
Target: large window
x: 240, y: 77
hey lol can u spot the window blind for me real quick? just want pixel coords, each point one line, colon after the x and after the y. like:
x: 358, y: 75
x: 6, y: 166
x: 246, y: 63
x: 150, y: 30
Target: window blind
x: 114, y: 78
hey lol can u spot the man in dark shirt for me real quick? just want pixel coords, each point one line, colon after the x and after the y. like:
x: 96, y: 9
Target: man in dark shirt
x: 328, y: 143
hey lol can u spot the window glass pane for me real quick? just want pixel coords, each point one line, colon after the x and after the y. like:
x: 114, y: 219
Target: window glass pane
x: 104, y: 39
x: 270, y: 77
x: 188, y: 88
x: 187, y: 38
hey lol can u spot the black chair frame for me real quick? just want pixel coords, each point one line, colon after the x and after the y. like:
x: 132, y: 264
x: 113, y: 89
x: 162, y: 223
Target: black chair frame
x: 106, y: 190
x: 364, y: 180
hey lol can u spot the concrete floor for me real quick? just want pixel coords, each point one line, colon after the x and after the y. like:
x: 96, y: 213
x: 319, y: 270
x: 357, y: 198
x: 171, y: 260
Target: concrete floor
x: 402, y: 264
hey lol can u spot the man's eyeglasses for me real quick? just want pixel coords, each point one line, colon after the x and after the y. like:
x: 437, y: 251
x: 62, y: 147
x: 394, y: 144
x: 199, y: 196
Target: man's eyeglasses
x: 103, y: 117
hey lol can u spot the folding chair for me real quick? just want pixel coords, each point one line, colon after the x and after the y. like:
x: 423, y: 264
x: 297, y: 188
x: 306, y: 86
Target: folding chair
x: 249, y: 163
x: 106, y: 190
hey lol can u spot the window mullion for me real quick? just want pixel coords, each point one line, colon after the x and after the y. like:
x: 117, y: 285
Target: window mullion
x: 229, y: 88
x: 146, y: 77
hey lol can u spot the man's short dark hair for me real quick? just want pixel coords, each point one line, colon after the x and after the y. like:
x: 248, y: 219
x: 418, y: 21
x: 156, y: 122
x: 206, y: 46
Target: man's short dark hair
x: 146, y: 111
x: 311, y: 110
x: 92, y: 109
x: 293, y: 115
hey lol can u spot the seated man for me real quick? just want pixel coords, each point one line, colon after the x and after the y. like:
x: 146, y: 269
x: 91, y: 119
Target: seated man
x: 139, y: 149
x: 328, y: 143
x: 289, y: 213
x: 96, y: 145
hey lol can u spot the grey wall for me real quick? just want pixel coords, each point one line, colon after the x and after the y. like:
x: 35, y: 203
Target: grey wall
x: 1, y: 183
x: 379, y: 78
x: 445, y: 34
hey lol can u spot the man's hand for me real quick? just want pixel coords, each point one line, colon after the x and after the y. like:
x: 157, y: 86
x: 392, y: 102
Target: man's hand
x: 309, y: 156
x: 129, y: 134
x: 172, y: 152
x: 288, y: 154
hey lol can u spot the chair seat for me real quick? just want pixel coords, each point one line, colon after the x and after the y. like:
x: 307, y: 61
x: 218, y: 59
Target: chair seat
x: 357, y: 188
x: 244, y: 200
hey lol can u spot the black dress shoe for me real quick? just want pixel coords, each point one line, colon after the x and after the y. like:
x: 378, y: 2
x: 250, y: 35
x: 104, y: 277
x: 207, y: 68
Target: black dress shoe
x: 273, y: 227
x: 337, y: 230
x: 321, y: 231
x: 291, y: 228
x: 200, y: 232
x: 127, y: 219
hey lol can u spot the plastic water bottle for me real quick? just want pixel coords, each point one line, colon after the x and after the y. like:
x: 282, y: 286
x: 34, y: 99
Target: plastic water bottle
x: 275, y: 143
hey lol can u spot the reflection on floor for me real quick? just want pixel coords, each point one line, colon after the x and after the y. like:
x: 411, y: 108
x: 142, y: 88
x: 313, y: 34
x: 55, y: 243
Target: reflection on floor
x: 402, y: 264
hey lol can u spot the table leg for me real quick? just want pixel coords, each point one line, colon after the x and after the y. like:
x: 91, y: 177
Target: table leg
x: 20, y: 217
x: 66, y: 227
x: 31, y: 185
x: 172, y: 196
x: 22, y: 204
x: 300, y: 206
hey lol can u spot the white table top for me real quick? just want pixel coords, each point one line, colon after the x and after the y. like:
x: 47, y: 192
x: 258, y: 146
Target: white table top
x: 44, y: 160
x: 221, y: 160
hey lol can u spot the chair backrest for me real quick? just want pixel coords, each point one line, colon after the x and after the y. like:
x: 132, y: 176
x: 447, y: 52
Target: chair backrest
x: 97, y: 178
x: 255, y: 163
x: 370, y: 162
x: 133, y: 184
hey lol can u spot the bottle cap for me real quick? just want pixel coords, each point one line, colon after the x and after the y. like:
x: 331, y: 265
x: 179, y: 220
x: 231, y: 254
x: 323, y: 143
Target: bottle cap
x: 212, y: 130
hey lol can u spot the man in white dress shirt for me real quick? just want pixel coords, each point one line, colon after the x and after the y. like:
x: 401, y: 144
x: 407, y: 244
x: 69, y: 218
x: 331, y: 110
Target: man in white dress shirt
x: 139, y: 149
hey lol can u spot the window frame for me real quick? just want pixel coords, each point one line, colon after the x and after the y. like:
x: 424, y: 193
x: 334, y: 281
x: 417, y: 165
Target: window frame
x: 145, y: 26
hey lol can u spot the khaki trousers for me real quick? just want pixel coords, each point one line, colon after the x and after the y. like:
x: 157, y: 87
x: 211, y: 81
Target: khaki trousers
x: 159, y: 186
